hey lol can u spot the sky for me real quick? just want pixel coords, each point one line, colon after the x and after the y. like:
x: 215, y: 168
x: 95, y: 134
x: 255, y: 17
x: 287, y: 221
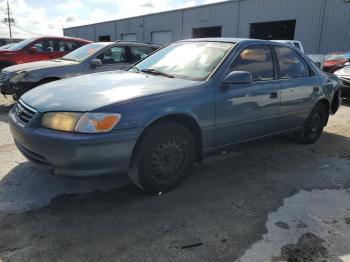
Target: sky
x: 39, y: 17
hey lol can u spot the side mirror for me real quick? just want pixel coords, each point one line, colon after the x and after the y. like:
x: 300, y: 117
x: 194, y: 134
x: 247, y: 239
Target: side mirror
x: 33, y: 50
x: 238, y: 77
x: 95, y: 62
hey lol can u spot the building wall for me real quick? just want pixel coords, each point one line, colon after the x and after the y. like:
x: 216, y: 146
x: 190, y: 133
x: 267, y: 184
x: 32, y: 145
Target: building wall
x: 130, y: 26
x: 171, y: 21
x: 321, y: 25
x: 108, y: 28
x: 222, y: 14
x: 306, y: 13
x: 335, y: 27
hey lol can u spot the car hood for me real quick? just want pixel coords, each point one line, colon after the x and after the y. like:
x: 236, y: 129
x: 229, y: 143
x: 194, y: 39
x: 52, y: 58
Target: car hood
x: 37, y: 65
x: 89, y: 92
x: 329, y: 63
x: 345, y: 71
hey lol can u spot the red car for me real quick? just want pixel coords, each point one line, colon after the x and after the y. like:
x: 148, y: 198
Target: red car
x: 39, y: 48
x: 335, y: 61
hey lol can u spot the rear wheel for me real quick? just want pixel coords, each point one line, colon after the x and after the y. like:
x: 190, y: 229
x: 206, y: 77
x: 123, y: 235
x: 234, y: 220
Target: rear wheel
x: 313, y: 125
x: 163, y: 158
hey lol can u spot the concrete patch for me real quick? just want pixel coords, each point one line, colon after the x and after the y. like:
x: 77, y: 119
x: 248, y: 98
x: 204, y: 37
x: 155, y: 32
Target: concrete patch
x: 325, y: 235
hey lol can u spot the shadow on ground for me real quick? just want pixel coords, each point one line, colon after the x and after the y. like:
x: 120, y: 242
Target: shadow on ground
x: 215, y: 215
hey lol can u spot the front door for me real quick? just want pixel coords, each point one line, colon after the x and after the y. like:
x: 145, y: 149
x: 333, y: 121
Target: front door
x: 245, y: 111
x: 44, y: 50
x: 112, y: 58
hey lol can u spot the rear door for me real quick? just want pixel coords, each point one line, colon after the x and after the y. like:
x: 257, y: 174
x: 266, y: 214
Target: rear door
x: 112, y: 58
x: 299, y: 87
x: 245, y: 111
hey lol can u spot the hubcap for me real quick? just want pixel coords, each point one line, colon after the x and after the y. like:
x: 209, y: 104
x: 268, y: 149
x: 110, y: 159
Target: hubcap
x: 315, y: 122
x: 167, y: 159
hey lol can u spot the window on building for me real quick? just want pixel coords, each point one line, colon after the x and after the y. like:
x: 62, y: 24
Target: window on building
x: 291, y: 64
x: 104, y: 38
x: 256, y: 59
x: 207, y: 32
x: 277, y: 30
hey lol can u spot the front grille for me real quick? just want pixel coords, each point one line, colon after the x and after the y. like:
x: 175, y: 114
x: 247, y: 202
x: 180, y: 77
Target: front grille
x: 23, y: 112
x: 4, y: 77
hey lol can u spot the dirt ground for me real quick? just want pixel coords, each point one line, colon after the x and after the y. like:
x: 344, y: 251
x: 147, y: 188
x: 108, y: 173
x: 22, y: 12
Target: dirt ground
x: 268, y: 200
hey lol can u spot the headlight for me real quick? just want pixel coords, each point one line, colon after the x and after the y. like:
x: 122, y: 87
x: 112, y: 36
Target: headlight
x: 18, y: 77
x: 80, y: 122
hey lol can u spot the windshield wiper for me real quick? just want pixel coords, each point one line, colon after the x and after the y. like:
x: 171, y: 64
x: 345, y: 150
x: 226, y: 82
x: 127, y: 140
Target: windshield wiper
x: 68, y: 59
x: 134, y: 67
x: 155, y: 72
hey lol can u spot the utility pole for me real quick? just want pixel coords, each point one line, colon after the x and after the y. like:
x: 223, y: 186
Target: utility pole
x: 9, y: 19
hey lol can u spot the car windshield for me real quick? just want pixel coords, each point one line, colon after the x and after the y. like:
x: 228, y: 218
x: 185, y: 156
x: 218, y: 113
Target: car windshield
x: 186, y: 60
x: 22, y: 44
x: 83, y: 52
x: 337, y: 57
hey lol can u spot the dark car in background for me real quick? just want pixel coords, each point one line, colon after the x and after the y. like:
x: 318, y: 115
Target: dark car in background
x: 182, y: 102
x: 91, y: 58
x: 39, y: 48
x: 344, y: 75
x: 335, y: 61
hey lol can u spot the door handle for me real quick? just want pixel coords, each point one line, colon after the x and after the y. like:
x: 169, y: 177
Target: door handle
x: 273, y: 95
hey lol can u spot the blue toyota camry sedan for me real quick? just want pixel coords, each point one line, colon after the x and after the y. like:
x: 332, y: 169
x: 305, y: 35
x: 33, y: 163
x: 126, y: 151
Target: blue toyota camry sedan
x: 169, y: 110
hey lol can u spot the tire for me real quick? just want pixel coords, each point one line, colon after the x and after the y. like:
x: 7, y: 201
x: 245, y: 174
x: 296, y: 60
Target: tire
x: 163, y: 158
x: 313, y: 126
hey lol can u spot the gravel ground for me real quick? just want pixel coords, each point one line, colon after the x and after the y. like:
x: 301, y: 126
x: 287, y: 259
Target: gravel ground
x: 268, y: 200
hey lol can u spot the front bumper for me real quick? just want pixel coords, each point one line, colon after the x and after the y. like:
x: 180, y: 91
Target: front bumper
x: 73, y: 154
x: 6, y: 88
x: 345, y: 87
x: 20, y: 88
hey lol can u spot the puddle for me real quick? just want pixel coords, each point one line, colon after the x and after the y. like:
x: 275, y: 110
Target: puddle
x: 310, y: 226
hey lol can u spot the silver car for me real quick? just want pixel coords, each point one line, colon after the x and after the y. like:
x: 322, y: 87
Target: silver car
x: 91, y: 58
x: 344, y: 75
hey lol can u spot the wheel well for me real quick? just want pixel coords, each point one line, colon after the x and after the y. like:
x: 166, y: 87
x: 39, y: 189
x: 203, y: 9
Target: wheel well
x: 335, y: 102
x: 181, y: 119
x: 5, y: 64
x: 326, y: 105
x: 48, y: 79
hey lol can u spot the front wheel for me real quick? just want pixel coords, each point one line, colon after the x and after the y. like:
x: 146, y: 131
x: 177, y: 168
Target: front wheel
x: 163, y: 158
x: 313, y: 126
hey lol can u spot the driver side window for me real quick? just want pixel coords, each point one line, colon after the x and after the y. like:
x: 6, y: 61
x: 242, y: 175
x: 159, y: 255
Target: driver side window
x: 257, y: 60
x: 112, y: 55
x: 44, y: 46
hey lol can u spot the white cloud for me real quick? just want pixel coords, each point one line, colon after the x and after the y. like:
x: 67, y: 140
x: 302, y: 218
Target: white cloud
x: 30, y: 20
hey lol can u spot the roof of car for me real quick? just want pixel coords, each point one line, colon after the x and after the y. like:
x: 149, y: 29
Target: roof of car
x: 222, y: 39
x: 137, y: 43
x: 64, y: 37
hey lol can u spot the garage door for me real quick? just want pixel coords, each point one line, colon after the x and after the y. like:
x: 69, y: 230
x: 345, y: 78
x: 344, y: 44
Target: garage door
x: 161, y: 37
x: 129, y: 37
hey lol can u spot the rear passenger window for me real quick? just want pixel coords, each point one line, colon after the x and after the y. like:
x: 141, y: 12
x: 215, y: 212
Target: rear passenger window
x: 256, y: 59
x: 138, y: 53
x: 67, y: 46
x: 291, y: 64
